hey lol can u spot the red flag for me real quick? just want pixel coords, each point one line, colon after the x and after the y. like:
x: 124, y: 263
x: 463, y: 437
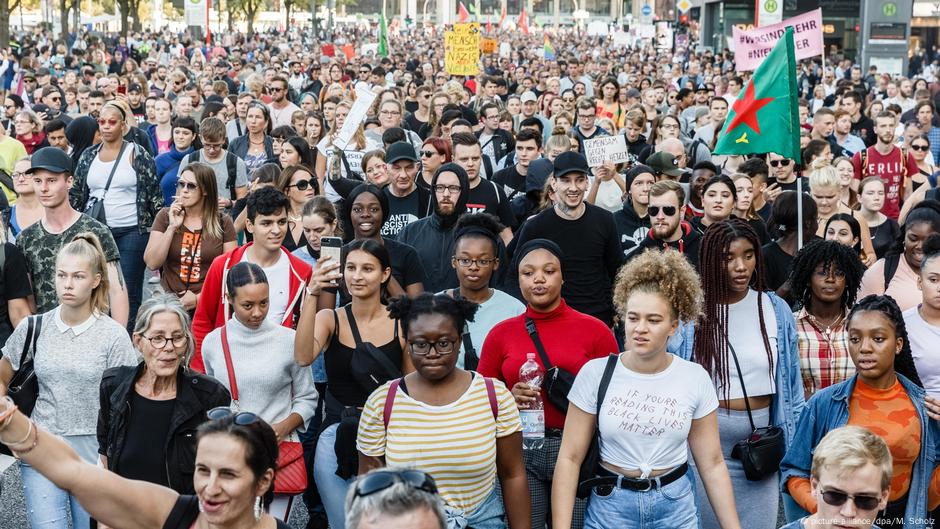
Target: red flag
x: 502, y: 17
x: 462, y: 13
x: 489, y: 24
x: 523, y: 22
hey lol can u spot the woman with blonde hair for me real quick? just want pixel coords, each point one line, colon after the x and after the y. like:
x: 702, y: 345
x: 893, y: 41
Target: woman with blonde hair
x: 188, y: 234
x: 70, y: 346
x: 29, y: 131
x: 825, y: 188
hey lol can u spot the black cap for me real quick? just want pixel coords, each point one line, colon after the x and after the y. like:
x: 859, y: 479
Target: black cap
x: 538, y: 172
x: 52, y: 159
x: 133, y: 87
x: 43, y: 71
x: 570, y: 162
x: 401, y: 150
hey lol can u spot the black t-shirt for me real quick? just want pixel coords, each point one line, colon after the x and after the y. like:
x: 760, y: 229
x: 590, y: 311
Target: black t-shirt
x: 765, y: 211
x: 415, y: 124
x: 512, y: 182
x: 884, y: 236
x: 148, y: 425
x: 14, y: 284
x: 791, y: 186
x: 864, y: 128
x: 776, y: 265
x: 487, y: 197
x: 402, y: 212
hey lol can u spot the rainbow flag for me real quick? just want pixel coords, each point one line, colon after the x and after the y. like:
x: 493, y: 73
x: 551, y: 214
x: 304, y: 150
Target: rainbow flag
x: 548, y: 49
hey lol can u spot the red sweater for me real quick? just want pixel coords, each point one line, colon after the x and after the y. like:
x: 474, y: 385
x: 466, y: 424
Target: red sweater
x: 212, y: 310
x: 571, y: 338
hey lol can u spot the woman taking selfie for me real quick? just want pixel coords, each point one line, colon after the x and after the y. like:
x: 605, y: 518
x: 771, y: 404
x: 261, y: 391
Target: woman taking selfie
x: 71, y: 346
x: 654, y: 292
x: 189, y: 234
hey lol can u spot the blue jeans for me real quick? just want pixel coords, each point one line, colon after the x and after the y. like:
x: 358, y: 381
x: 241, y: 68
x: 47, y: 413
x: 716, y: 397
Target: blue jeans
x: 488, y: 515
x: 332, y: 487
x: 669, y: 507
x: 131, y: 245
x: 48, y: 506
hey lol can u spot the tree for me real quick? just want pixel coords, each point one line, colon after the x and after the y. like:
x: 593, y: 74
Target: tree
x: 288, y: 6
x: 250, y: 9
x: 129, y: 9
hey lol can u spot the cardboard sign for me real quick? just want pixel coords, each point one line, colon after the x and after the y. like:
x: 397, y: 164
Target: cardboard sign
x: 357, y: 114
x: 751, y: 46
x: 611, y: 149
x: 462, y: 49
x: 489, y: 45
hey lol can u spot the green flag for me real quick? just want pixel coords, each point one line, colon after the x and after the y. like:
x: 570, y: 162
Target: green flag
x: 383, y: 37
x: 765, y: 118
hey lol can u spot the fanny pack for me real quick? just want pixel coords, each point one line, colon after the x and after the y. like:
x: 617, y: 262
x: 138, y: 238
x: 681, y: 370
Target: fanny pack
x: 558, y: 381
x: 761, y: 453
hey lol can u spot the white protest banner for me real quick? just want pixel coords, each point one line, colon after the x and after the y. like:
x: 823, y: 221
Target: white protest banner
x: 611, y: 149
x: 751, y: 46
x: 197, y: 13
x: 357, y: 114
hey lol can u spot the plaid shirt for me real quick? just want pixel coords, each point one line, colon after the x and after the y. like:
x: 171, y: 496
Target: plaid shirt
x: 824, y: 358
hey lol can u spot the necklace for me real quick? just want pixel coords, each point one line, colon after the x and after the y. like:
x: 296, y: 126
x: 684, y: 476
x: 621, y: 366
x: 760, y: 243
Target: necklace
x: 255, y: 142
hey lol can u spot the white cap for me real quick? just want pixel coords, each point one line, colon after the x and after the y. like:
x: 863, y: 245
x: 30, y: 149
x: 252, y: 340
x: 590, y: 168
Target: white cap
x: 529, y: 95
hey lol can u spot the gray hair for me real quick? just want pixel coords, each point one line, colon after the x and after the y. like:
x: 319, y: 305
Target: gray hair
x: 159, y: 304
x: 396, y: 500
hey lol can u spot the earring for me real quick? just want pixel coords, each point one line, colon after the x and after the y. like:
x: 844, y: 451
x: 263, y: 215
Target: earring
x: 258, y: 510
x: 202, y: 508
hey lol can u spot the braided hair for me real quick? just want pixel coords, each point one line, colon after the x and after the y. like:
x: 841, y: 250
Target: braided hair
x: 828, y: 254
x: 904, y: 361
x: 710, y: 348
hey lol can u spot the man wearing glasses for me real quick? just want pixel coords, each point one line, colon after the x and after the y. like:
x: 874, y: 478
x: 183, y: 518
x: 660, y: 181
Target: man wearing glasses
x: 496, y: 142
x: 667, y: 229
x: 231, y: 173
x: 281, y: 108
x: 781, y: 169
x: 586, y: 129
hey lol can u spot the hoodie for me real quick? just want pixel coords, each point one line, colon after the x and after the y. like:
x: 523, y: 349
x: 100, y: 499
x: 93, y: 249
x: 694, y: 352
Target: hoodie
x: 631, y: 227
x: 433, y: 237
x: 688, y: 245
x: 168, y: 165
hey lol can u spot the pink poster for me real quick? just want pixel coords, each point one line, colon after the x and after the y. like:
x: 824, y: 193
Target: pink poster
x: 751, y: 46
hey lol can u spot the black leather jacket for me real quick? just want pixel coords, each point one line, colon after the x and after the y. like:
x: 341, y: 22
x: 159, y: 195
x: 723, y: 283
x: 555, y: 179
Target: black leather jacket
x: 196, y: 394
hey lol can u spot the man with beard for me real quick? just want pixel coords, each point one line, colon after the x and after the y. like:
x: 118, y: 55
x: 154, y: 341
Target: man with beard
x: 888, y: 161
x: 667, y: 229
x: 433, y: 237
x: 587, y: 236
x: 407, y: 201
x: 281, y: 108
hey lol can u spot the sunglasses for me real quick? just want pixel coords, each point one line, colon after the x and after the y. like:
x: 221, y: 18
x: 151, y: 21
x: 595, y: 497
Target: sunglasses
x: 779, y: 163
x: 242, y: 418
x: 302, y: 185
x: 428, y: 154
x: 924, y: 148
x: 667, y: 210
x: 380, y: 480
x: 186, y: 185
x: 110, y: 122
x: 837, y: 499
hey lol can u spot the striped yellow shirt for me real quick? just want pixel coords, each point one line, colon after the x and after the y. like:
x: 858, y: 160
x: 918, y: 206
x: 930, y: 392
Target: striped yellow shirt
x: 455, y: 444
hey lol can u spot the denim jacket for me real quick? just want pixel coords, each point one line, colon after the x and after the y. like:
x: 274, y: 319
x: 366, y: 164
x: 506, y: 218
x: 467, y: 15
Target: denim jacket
x: 827, y: 410
x: 788, y: 401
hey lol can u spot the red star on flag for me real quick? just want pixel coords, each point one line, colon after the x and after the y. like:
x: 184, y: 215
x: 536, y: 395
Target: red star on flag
x: 745, y: 110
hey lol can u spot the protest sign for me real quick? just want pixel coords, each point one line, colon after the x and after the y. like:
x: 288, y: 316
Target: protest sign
x: 611, y: 149
x: 462, y: 49
x: 489, y: 45
x: 751, y: 46
x: 357, y: 114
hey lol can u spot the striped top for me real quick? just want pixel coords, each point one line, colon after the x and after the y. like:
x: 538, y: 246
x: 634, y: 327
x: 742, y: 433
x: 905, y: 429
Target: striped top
x: 455, y: 443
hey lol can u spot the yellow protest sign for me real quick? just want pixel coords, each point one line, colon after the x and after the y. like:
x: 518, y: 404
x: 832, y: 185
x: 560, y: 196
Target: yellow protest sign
x: 489, y: 45
x: 462, y: 49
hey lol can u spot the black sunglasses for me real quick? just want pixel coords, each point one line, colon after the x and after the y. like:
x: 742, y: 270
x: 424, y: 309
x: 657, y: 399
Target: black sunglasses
x: 924, y: 148
x: 667, y: 210
x: 779, y: 163
x: 186, y: 185
x: 302, y: 185
x: 380, y: 480
x: 838, y: 498
x: 428, y: 154
x: 242, y: 418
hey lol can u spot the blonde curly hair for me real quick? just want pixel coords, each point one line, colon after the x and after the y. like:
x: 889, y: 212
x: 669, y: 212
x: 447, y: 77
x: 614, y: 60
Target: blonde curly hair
x: 667, y: 273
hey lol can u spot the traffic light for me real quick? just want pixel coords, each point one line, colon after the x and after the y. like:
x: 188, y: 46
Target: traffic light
x: 683, y: 20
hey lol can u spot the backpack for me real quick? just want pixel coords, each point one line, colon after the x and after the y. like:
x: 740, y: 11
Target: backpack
x: 231, y: 167
x: 891, y: 266
x: 693, y: 151
x: 393, y: 390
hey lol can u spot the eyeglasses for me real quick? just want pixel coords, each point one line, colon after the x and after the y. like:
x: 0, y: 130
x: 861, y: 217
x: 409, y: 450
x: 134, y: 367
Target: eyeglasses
x: 390, y: 113
x: 110, y: 122
x: 277, y: 89
x: 838, y: 498
x: 923, y: 148
x: 428, y: 154
x: 442, y: 346
x: 302, y: 185
x: 190, y: 186
x: 382, y: 479
x: 242, y: 418
x: 465, y: 263
x: 19, y: 175
x: 160, y: 341
x: 442, y: 189
x: 779, y: 163
x: 586, y: 116
x: 212, y: 146
x: 667, y: 210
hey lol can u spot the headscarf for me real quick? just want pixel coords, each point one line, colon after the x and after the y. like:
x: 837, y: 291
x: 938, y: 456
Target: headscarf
x: 81, y: 135
x: 539, y: 244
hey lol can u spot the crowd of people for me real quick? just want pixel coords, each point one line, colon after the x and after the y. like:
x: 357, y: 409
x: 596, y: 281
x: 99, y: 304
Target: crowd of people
x: 349, y: 294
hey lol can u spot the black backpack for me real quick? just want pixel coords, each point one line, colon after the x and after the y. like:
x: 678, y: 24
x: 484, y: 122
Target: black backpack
x: 231, y: 166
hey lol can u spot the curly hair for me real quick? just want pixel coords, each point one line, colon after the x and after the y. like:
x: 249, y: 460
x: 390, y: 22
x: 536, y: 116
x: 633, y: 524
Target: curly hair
x: 828, y: 254
x: 904, y: 361
x: 406, y: 310
x: 667, y: 273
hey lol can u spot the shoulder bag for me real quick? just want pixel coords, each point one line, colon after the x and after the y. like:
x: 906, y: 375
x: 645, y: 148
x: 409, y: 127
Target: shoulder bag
x: 369, y: 365
x: 763, y: 450
x: 291, y: 476
x: 558, y: 381
x: 24, y: 387
x: 471, y: 360
x: 94, y: 208
x: 592, y: 459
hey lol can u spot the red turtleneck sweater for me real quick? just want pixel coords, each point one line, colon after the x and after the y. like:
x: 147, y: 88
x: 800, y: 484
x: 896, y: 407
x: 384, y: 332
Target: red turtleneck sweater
x: 571, y: 338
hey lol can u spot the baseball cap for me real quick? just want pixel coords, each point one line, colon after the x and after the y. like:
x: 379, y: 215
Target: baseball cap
x: 29, y: 75
x: 570, y: 162
x: 529, y: 96
x: 664, y: 162
x: 633, y: 92
x: 52, y: 159
x: 400, y: 150
x: 538, y: 172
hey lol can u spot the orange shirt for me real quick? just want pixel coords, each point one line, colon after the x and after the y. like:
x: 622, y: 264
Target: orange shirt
x: 890, y: 414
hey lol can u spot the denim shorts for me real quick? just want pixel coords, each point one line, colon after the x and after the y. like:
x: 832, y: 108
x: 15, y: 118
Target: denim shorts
x: 669, y: 507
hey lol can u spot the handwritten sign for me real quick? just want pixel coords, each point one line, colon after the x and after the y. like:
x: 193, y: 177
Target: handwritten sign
x: 462, y: 49
x: 489, y: 45
x: 611, y: 149
x: 751, y: 46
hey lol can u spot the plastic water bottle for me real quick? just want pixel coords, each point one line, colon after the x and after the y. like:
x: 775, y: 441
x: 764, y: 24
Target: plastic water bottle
x: 532, y: 414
